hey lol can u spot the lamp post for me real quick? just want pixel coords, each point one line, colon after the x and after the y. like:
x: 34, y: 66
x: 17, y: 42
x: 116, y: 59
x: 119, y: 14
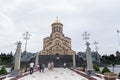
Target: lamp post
x: 86, y: 36
x: 96, y: 47
x: 118, y: 38
x: 26, y: 36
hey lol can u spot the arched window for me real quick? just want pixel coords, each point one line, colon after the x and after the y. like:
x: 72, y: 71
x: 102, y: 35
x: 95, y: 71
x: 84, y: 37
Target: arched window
x: 56, y: 28
x: 57, y: 42
x: 53, y: 29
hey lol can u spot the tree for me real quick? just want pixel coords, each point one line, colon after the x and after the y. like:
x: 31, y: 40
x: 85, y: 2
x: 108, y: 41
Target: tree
x: 11, y: 53
x: 110, y: 60
x: 105, y: 60
x: 113, y: 61
x: 3, y: 70
x: 96, y: 67
x: 6, y: 59
x: 105, y: 69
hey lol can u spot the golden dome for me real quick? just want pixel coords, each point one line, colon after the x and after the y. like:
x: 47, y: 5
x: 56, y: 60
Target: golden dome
x: 57, y: 22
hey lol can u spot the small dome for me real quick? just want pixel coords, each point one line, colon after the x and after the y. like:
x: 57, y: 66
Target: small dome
x: 57, y: 22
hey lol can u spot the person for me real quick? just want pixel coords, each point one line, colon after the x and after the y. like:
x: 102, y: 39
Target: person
x: 52, y: 65
x: 49, y: 66
x: 64, y: 65
x: 31, y: 67
x: 42, y: 67
x: 38, y: 68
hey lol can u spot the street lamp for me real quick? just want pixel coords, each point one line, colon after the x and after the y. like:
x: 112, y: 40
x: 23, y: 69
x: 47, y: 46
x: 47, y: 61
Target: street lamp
x: 85, y: 36
x: 26, y: 36
x: 96, y: 47
x: 118, y: 38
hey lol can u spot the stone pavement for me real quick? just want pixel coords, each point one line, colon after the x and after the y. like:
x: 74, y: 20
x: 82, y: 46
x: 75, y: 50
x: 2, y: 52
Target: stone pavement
x: 56, y: 74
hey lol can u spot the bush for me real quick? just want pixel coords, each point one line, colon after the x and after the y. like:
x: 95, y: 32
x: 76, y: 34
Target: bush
x: 105, y: 69
x: 3, y: 70
x: 12, y: 68
x: 26, y: 67
x: 96, y: 67
x: 84, y: 66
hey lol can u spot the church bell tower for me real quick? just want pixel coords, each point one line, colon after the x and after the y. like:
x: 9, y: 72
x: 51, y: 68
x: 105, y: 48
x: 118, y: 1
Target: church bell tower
x: 57, y: 43
x: 57, y: 26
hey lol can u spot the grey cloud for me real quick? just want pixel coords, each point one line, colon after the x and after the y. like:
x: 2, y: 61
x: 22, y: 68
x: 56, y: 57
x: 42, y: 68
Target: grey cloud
x: 96, y: 17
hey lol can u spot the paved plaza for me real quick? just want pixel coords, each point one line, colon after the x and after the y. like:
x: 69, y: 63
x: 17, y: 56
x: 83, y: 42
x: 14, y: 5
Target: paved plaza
x: 56, y: 74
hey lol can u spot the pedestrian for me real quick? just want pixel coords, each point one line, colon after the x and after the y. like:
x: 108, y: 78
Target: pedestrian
x: 42, y: 67
x: 31, y: 67
x: 64, y: 65
x: 49, y: 66
x: 52, y: 65
x: 38, y: 68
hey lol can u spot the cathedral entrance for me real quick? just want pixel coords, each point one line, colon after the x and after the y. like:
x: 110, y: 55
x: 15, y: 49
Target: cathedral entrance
x: 57, y: 54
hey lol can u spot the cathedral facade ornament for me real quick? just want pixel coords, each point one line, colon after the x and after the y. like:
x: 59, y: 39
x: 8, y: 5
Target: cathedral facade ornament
x: 57, y: 43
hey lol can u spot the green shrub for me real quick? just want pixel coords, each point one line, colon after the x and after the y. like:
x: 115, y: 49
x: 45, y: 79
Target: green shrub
x: 12, y: 68
x: 3, y: 70
x: 84, y: 66
x: 26, y: 67
x: 96, y: 67
x: 105, y: 69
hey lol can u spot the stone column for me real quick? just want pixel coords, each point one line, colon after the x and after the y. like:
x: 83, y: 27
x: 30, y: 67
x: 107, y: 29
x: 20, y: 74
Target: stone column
x: 90, y: 70
x: 16, y: 72
x: 74, y: 61
x: 17, y: 56
x: 37, y: 59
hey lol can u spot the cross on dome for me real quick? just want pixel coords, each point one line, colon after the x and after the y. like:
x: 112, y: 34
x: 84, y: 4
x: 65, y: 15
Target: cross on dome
x: 57, y: 21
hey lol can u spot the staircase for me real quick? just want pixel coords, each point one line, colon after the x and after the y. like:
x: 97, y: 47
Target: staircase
x: 59, y: 60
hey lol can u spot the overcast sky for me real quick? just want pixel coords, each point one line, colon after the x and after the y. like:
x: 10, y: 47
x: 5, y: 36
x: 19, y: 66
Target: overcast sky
x: 100, y: 18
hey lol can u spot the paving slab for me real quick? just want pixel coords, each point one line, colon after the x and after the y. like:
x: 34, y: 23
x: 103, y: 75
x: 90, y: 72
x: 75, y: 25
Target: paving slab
x: 56, y: 74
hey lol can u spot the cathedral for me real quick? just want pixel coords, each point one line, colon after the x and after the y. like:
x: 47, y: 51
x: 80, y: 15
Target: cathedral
x: 57, y: 43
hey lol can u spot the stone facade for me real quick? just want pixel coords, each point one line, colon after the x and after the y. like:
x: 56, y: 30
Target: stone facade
x: 57, y: 43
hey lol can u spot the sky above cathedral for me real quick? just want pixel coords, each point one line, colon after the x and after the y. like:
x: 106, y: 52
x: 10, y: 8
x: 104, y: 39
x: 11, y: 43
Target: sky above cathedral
x: 100, y: 18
